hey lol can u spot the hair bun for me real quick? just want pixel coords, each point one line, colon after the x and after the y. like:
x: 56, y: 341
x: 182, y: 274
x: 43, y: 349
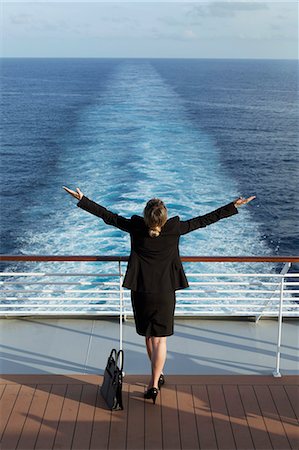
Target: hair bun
x: 154, y: 232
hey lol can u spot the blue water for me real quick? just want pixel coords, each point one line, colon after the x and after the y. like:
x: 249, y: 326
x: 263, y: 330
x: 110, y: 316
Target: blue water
x: 196, y: 133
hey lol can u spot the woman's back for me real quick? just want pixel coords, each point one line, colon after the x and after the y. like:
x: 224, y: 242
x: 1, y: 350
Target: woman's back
x: 154, y: 263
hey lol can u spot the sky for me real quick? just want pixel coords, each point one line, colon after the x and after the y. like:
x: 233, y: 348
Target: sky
x: 205, y: 29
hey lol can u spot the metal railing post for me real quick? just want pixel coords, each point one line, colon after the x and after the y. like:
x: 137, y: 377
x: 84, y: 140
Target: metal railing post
x: 276, y: 372
x: 121, y: 294
x: 285, y: 269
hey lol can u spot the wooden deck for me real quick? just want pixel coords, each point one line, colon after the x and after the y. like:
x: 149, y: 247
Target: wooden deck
x: 192, y: 412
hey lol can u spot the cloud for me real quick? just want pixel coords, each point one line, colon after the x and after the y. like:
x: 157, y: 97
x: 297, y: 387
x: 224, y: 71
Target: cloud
x: 190, y: 34
x: 226, y: 9
x: 186, y: 34
x: 198, y: 14
x: 21, y: 19
x: 98, y: 25
x: 31, y: 22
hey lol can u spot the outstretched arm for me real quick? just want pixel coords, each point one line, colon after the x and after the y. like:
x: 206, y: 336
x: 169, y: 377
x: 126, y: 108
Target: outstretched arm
x: 207, y: 219
x: 94, y: 208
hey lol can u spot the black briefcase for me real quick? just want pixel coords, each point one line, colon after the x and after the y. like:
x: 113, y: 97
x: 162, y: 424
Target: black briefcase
x: 111, y: 388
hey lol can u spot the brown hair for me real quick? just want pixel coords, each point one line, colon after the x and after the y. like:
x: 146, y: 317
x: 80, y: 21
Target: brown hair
x: 155, y: 216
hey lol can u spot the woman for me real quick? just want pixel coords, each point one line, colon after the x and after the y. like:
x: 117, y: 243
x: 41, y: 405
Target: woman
x: 154, y: 270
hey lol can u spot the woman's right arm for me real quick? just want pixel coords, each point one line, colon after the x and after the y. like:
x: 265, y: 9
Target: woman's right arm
x: 94, y: 208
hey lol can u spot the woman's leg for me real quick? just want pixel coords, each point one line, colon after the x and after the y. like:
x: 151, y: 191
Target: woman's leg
x: 149, y: 349
x: 158, y: 358
x: 149, y: 346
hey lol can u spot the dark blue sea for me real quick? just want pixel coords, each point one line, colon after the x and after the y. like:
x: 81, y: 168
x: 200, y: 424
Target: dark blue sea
x: 196, y: 133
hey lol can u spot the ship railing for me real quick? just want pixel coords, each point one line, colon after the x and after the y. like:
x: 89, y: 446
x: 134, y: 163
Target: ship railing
x: 100, y: 292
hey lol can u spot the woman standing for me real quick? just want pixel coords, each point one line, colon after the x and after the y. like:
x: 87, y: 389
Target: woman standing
x: 154, y: 270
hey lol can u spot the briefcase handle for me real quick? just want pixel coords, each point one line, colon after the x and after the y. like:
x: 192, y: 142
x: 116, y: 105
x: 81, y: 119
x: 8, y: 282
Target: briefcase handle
x: 113, y: 353
x: 117, y: 356
x: 120, y: 356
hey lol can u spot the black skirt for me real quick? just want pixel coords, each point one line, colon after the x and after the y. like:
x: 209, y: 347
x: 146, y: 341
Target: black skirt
x: 153, y: 313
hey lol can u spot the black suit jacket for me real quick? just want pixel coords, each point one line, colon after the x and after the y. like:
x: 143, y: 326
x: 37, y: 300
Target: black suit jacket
x: 154, y: 264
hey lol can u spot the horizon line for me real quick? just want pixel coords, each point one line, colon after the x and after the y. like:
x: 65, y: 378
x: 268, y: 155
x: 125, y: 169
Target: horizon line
x: 146, y: 57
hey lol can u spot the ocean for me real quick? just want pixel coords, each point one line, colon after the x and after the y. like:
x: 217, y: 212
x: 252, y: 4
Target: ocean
x: 197, y: 133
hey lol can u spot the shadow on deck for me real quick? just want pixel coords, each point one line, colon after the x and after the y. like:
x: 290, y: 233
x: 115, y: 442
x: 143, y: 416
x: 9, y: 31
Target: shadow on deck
x: 191, y: 412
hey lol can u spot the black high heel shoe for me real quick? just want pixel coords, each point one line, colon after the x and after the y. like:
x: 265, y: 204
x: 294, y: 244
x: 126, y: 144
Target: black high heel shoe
x: 151, y: 393
x: 161, y: 381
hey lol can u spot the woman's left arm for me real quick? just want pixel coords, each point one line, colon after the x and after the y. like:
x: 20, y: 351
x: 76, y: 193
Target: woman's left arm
x: 186, y: 226
x: 242, y: 201
x: 94, y: 208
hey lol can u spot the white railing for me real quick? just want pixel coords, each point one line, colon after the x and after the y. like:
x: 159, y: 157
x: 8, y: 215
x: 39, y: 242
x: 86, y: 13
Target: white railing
x: 46, y: 293
x: 100, y: 293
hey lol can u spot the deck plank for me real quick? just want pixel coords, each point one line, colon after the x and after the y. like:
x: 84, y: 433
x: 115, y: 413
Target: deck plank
x: 170, y: 418
x: 135, y: 426
x: 85, y: 418
x: 223, y: 429
x: 50, y: 421
x: 34, y: 417
x: 67, y: 421
x: 6, y: 406
x: 273, y: 424
x: 237, y: 417
x: 118, y: 427
x: 101, y: 424
x: 258, y: 430
x: 153, y: 424
x: 204, y: 420
x: 293, y: 394
x: 17, y: 418
x: 286, y: 414
x: 187, y: 422
x: 2, y: 389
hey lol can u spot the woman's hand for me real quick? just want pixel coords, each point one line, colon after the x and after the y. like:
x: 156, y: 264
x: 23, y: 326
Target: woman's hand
x: 242, y: 201
x: 78, y: 195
